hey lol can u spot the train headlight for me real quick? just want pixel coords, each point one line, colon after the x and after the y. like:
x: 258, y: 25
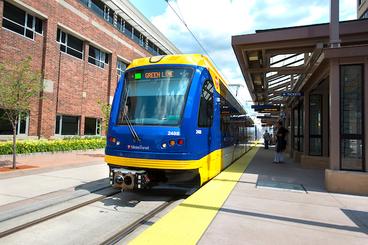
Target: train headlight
x: 112, y: 140
x: 163, y: 145
x: 172, y: 142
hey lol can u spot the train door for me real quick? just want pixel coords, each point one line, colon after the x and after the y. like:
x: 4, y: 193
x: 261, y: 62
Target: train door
x: 206, y: 127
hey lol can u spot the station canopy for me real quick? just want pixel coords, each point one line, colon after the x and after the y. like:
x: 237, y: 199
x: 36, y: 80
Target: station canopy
x: 277, y: 63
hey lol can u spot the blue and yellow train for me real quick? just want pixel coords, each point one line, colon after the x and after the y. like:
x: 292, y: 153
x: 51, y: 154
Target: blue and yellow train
x: 173, y: 120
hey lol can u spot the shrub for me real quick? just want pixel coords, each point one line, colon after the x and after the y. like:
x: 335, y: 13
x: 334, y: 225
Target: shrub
x: 31, y: 146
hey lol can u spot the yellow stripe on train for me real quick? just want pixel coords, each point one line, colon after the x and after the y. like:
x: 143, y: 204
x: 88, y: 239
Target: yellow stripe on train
x: 208, y: 166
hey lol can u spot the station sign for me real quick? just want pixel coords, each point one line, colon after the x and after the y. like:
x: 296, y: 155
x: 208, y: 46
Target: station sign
x: 291, y: 94
x: 266, y: 108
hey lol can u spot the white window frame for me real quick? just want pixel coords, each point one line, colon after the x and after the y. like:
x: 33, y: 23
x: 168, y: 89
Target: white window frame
x: 99, y: 60
x: 25, y: 26
x: 120, y: 70
x: 66, y: 44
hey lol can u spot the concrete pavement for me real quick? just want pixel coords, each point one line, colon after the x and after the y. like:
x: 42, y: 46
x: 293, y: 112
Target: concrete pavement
x: 285, y: 204
x: 55, y: 178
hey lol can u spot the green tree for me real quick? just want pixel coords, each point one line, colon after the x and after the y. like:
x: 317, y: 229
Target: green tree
x: 19, y: 86
x: 105, y: 109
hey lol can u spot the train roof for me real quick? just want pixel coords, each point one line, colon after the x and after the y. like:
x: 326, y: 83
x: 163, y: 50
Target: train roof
x: 190, y: 59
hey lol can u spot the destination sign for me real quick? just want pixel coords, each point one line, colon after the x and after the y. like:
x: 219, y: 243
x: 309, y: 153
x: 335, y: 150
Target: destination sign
x: 154, y: 74
x: 291, y: 94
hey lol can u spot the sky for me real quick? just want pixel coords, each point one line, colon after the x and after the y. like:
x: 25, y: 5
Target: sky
x: 214, y: 22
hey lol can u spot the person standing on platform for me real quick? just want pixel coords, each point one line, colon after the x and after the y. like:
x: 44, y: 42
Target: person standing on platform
x: 280, y: 142
x: 266, y: 138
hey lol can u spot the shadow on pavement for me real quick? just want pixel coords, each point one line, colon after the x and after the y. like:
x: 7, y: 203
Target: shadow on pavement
x: 361, y: 227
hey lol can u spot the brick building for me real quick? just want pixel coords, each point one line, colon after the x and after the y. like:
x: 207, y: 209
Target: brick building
x: 80, y: 47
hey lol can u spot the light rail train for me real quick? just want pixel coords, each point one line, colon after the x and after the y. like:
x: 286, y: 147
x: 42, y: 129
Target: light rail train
x: 173, y: 120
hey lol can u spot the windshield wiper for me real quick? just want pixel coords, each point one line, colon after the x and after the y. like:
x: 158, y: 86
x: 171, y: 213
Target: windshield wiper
x: 126, y: 117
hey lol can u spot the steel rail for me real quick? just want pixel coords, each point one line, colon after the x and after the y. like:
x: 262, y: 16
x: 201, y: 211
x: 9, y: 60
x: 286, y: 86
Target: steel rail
x: 134, y: 225
x: 58, y: 213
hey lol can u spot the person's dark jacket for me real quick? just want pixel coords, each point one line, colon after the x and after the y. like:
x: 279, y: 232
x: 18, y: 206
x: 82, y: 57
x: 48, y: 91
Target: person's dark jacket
x: 281, y: 139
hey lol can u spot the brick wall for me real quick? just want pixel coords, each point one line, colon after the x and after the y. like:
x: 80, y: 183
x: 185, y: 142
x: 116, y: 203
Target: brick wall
x: 76, y: 85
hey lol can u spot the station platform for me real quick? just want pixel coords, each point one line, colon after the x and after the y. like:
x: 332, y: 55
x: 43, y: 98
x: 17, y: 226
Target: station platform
x: 252, y: 202
x: 257, y: 202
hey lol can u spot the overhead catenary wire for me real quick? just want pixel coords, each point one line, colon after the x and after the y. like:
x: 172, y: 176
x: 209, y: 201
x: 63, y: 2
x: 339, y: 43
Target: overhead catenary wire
x: 181, y: 18
x: 190, y: 31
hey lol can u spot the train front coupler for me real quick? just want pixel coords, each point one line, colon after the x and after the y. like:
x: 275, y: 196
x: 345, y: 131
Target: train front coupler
x: 127, y: 179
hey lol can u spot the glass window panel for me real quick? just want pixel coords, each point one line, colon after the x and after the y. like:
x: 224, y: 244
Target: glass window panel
x: 352, y: 150
x: 70, y: 125
x: 98, y: 7
x: 156, y: 97
x: 74, y: 53
x: 5, y: 125
x: 296, y: 122
x: 121, y: 67
x: 29, y: 21
x: 351, y: 87
x: 75, y: 43
x: 29, y: 33
x: 90, y: 126
x: 301, y: 120
x: 205, y: 114
x: 14, y: 27
x: 352, y: 154
x: 15, y: 14
x: 62, y: 47
x: 38, y: 25
x: 57, y: 126
x: 315, y: 147
x: 315, y: 114
x: 22, y: 125
x: 58, y: 35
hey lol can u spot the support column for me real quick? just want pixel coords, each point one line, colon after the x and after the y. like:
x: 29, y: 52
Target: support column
x: 365, y: 94
x: 325, y: 123
x: 306, y: 124
x: 334, y: 114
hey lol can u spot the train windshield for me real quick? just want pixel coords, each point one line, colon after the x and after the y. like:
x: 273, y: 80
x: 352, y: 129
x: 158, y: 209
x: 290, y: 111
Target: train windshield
x: 154, y: 96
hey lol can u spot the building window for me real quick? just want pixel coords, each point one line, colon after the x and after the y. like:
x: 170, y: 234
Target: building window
x: 205, y: 115
x: 123, y: 26
x: 298, y: 116
x: 315, y: 122
x: 70, y: 44
x: 6, y: 127
x: 97, y: 57
x: 121, y: 67
x: 92, y: 126
x: 67, y: 125
x: 19, y: 21
x: 351, y: 114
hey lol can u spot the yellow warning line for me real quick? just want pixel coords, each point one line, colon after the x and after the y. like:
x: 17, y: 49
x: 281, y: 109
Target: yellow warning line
x: 186, y: 223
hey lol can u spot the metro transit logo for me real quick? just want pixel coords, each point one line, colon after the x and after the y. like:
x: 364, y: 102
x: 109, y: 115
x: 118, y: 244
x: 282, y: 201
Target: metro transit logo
x: 138, y: 147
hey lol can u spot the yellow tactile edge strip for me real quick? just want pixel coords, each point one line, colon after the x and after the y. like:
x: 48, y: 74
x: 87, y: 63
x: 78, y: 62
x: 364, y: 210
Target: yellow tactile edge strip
x: 186, y: 223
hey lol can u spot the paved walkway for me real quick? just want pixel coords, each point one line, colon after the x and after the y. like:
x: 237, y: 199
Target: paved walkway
x: 270, y: 204
x: 51, y: 173
x: 44, y: 162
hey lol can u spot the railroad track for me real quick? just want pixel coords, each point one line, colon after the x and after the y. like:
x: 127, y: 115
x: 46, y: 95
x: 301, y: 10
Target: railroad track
x: 133, y: 226
x: 58, y: 213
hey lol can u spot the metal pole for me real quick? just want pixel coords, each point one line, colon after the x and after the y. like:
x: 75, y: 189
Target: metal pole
x: 334, y: 24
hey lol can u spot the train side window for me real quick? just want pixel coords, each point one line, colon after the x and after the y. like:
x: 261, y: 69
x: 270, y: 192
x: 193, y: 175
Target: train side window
x: 205, y: 115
